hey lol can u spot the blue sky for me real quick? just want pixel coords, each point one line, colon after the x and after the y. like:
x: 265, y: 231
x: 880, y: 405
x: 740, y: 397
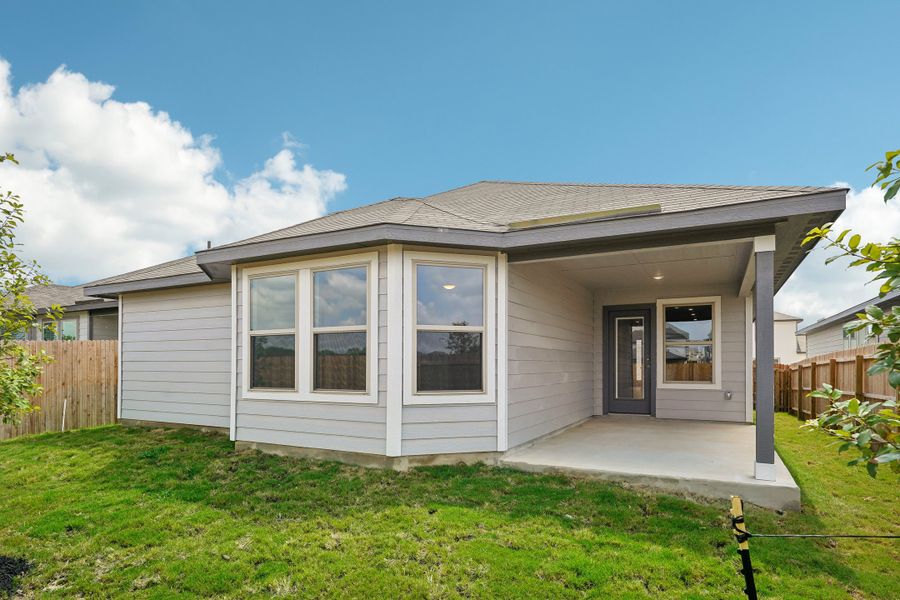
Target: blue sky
x: 412, y: 98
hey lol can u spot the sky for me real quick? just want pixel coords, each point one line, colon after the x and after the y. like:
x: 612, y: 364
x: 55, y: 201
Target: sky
x: 146, y: 128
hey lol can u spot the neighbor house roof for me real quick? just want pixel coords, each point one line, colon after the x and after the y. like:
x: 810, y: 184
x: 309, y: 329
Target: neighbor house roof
x: 780, y: 316
x: 891, y: 299
x: 514, y: 217
x: 69, y: 297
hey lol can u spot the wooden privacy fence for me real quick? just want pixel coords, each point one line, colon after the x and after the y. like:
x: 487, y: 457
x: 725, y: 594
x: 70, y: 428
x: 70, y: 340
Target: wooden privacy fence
x: 845, y: 370
x: 79, y: 387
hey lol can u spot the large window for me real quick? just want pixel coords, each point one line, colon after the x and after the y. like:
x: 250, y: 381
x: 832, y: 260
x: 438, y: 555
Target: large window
x: 450, y: 316
x: 310, y: 334
x: 273, y: 332
x: 449, y: 328
x: 340, y: 322
x: 66, y: 329
x: 689, y: 341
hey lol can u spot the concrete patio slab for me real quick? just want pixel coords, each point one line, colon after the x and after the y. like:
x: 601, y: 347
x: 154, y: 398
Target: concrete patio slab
x: 708, y: 459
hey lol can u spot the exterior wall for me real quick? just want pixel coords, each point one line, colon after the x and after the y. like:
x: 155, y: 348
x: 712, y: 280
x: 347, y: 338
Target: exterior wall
x: 326, y: 425
x: 551, y: 352
x: 448, y: 428
x: 830, y: 339
x: 786, y: 343
x: 701, y: 404
x: 176, y: 348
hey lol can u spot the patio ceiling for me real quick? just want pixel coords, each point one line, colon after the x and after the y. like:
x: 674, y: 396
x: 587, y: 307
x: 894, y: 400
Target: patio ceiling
x: 693, y: 264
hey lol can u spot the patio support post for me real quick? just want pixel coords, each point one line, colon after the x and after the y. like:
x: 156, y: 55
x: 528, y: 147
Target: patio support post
x: 763, y: 294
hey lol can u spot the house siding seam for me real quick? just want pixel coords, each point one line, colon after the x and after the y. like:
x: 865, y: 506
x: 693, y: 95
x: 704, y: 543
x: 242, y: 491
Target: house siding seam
x: 551, y: 352
x: 175, y: 356
x: 699, y: 404
x: 324, y: 425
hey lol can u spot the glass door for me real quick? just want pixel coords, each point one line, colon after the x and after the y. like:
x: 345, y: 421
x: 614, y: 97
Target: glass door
x: 629, y: 361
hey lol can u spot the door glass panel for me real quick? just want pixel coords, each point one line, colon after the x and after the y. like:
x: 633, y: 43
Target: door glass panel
x: 630, y: 358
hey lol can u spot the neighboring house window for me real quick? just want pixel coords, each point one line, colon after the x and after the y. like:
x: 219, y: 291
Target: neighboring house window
x: 66, y: 329
x: 273, y: 332
x: 690, y: 345
x: 311, y: 332
x: 451, y: 306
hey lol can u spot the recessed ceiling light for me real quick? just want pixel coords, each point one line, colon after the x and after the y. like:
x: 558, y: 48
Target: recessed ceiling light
x: 657, y: 277
x: 448, y: 286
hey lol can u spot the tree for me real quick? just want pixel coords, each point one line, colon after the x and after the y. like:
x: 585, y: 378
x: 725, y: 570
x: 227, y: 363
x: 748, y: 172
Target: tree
x: 871, y: 428
x: 19, y: 369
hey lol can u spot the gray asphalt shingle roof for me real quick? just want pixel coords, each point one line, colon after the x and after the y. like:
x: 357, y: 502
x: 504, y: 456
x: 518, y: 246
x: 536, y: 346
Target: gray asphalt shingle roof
x: 493, y: 206
x: 45, y: 296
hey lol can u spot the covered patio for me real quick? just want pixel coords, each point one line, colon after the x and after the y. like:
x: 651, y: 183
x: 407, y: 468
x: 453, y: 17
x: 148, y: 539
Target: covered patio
x: 709, y: 459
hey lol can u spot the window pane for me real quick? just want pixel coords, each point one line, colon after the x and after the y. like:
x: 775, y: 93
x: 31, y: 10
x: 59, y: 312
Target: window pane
x: 340, y: 297
x: 48, y: 334
x: 448, y: 361
x: 68, y: 329
x: 272, y: 361
x: 449, y: 295
x: 340, y: 361
x: 689, y: 323
x: 689, y: 363
x: 630, y: 359
x: 272, y: 303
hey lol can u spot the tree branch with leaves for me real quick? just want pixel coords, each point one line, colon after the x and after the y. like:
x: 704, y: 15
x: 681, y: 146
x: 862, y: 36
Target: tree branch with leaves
x: 871, y: 428
x: 19, y: 368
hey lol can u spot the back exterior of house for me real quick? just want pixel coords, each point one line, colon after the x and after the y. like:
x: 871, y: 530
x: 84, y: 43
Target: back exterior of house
x: 464, y: 324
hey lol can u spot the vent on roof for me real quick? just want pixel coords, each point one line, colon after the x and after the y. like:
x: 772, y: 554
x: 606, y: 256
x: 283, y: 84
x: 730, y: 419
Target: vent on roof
x: 631, y: 211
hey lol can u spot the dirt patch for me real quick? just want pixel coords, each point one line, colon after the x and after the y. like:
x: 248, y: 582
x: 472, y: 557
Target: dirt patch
x: 10, y: 568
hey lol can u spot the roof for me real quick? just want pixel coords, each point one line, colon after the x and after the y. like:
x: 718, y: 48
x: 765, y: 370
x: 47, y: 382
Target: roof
x: 496, y: 215
x: 70, y: 297
x: 844, y: 316
x: 780, y: 316
x: 179, y: 266
x: 494, y: 206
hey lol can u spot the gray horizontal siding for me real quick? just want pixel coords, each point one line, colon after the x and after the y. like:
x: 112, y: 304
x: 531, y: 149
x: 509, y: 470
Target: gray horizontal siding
x: 830, y: 339
x: 550, y: 355
x: 324, y: 425
x: 175, y: 360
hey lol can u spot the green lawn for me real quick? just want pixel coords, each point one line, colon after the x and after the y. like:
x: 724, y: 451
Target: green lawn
x: 174, y: 513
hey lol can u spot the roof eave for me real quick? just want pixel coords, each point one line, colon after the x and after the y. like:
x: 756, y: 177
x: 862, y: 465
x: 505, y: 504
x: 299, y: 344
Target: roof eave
x: 112, y: 290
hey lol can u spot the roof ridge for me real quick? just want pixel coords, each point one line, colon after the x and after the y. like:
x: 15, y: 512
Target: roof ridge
x: 657, y: 185
x: 458, y: 216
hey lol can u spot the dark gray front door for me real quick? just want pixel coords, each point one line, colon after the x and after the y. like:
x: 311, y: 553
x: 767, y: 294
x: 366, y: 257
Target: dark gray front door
x: 629, y: 364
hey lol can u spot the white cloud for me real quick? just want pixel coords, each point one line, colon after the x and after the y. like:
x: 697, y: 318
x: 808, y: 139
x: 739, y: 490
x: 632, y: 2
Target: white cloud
x: 113, y: 186
x: 817, y: 290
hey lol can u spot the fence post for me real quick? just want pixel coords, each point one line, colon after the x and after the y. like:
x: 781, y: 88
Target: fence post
x: 812, y: 385
x: 858, y: 390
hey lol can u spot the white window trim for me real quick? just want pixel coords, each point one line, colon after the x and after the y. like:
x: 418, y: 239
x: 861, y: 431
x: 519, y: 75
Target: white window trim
x: 304, y: 364
x: 716, y: 383
x: 489, y: 263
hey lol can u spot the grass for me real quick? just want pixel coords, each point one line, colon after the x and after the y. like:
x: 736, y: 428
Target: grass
x: 167, y: 513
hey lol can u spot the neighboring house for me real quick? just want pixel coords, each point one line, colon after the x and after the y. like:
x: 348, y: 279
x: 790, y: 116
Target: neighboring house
x: 827, y: 335
x: 789, y: 346
x: 469, y: 322
x: 84, y: 317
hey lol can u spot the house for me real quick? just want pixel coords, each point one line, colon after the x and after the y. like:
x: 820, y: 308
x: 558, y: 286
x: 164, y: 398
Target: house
x: 474, y: 323
x: 790, y: 347
x: 84, y: 318
x: 827, y: 335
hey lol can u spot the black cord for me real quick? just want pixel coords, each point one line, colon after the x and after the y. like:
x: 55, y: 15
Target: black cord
x: 818, y: 535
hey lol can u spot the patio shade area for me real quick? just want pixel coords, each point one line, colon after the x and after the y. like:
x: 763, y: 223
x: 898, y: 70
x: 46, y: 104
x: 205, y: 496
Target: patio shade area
x: 709, y: 459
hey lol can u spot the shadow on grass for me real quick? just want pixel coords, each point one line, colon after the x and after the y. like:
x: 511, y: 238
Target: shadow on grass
x: 185, y: 466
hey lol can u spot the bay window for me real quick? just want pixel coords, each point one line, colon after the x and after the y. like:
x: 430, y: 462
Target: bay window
x: 450, y: 308
x: 311, y: 330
